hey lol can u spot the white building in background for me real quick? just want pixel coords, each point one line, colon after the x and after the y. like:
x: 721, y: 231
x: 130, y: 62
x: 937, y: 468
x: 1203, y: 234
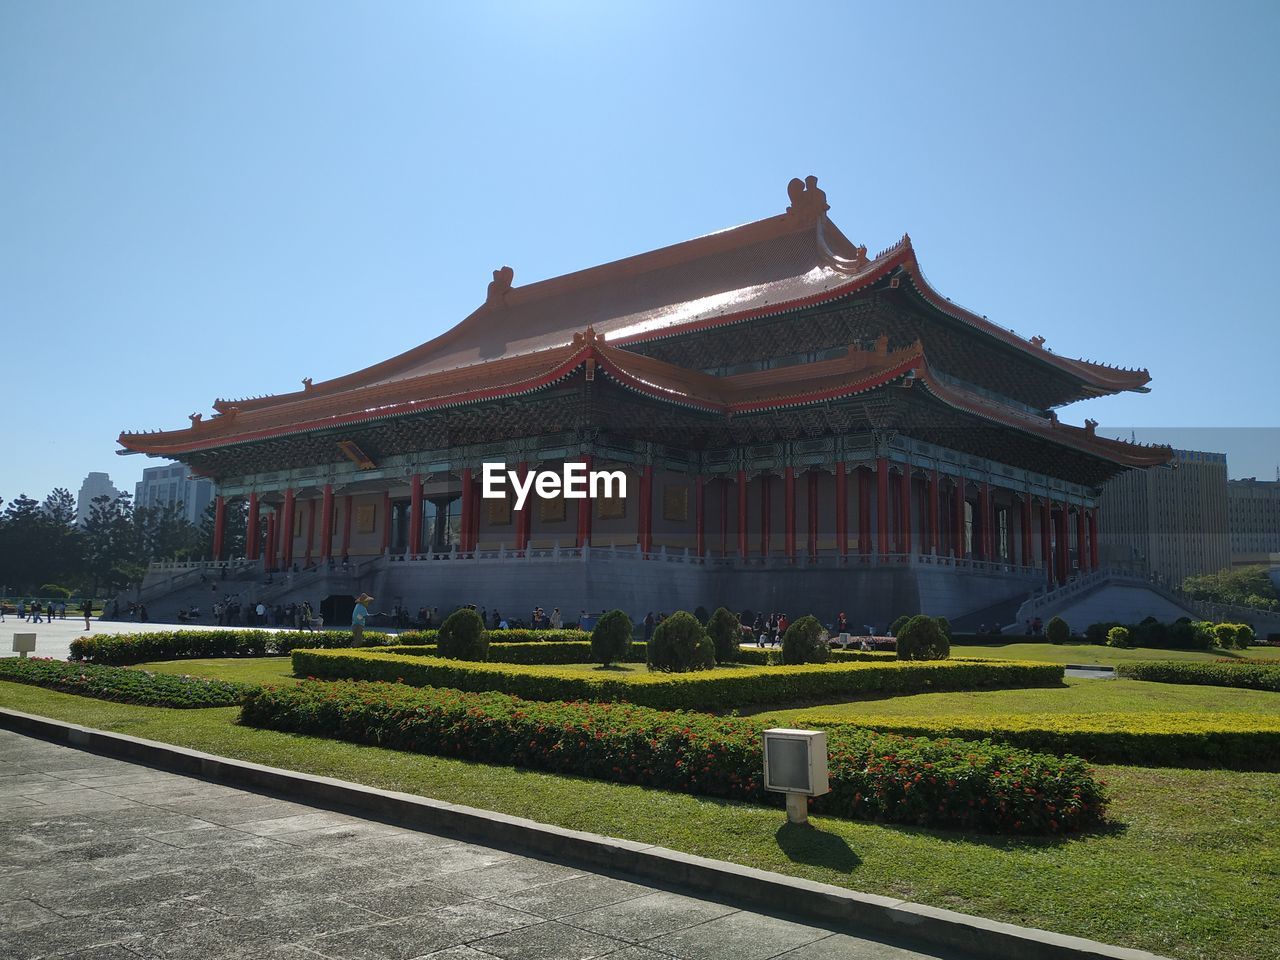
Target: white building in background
x: 1168, y: 521
x: 173, y: 484
x: 1254, y: 509
x: 95, y: 485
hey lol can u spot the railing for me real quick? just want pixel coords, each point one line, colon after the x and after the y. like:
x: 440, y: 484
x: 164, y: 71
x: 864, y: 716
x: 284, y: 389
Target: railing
x: 665, y: 554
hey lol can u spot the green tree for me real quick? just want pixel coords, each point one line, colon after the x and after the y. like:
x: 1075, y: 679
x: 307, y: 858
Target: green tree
x: 1244, y: 586
x: 611, y: 638
x: 922, y: 638
x: 679, y: 644
x: 805, y: 642
x: 726, y: 633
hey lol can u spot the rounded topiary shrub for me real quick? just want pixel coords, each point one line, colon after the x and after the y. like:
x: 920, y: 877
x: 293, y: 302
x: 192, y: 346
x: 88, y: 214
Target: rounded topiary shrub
x: 920, y: 638
x: 898, y: 625
x: 805, y: 642
x: 611, y: 638
x: 725, y: 633
x: 1057, y: 631
x: 1118, y: 637
x: 1244, y: 636
x: 1224, y: 635
x: 945, y: 626
x: 679, y: 644
x: 462, y: 637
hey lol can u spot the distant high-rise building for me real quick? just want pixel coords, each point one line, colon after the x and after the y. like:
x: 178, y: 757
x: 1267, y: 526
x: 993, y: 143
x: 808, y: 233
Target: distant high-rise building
x: 1253, y: 509
x: 95, y: 485
x: 1168, y: 521
x: 173, y: 484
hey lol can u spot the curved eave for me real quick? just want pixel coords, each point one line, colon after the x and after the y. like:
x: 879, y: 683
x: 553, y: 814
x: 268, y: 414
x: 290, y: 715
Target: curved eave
x: 1115, y: 451
x: 177, y: 442
x: 636, y: 381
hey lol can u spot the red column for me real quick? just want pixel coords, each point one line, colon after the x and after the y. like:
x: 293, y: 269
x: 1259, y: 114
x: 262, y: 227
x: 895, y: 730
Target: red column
x: 957, y: 522
x: 764, y: 514
x: 271, y: 540
x: 346, y: 524
x: 584, y: 511
x: 982, y: 545
x: 904, y: 524
x: 251, y: 529
x: 789, y: 513
x: 935, y: 539
x: 882, y: 506
x: 311, y: 530
x: 1026, y: 531
x: 813, y: 514
x: 842, y: 511
x: 1093, y: 539
x: 468, y: 511
x: 523, y: 515
x: 700, y: 516
x: 724, y: 516
x: 864, y: 513
x: 219, y: 525
x: 415, y: 515
x: 1062, y: 544
x: 286, y: 534
x: 386, y: 521
x: 1046, y: 548
x: 646, y: 509
x: 326, y: 524
x: 1082, y: 555
x: 742, y: 514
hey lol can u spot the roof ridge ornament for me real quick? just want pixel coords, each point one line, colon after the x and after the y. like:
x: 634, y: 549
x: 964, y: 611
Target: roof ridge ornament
x: 499, y: 286
x: 808, y: 200
x: 588, y: 336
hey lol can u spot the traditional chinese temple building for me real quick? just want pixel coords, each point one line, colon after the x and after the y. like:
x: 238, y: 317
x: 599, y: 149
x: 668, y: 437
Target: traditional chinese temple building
x: 804, y: 427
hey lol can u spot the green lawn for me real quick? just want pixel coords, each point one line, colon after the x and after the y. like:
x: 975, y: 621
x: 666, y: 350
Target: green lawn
x: 1075, y: 696
x: 1191, y: 869
x: 244, y: 669
x: 1092, y: 653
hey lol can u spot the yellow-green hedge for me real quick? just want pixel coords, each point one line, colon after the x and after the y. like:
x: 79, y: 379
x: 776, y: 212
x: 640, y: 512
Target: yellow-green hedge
x: 1234, y: 741
x: 724, y: 688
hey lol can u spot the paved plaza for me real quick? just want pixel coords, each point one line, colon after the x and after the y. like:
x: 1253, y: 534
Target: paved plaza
x: 54, y: 639
x: 105, y: 859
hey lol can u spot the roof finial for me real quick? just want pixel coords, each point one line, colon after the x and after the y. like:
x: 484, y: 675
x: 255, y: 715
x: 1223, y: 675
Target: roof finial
x: 195, y: 419
x: 808, y: 200
x: 500, y: 285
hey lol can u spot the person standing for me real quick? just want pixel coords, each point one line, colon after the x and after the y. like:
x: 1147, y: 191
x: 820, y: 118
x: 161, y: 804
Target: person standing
x: 557, y: 621
x: 87, y: 608
x: 359, y: 616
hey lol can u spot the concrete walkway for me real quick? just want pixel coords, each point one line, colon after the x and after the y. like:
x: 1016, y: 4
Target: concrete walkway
x: 104, y: 859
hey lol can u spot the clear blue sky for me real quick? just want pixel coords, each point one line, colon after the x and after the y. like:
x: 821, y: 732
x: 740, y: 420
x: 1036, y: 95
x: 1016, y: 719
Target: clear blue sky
x: 204, y: 200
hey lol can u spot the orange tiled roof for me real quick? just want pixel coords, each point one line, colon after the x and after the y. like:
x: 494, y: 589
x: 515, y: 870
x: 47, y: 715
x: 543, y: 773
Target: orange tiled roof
x: 795, y: 259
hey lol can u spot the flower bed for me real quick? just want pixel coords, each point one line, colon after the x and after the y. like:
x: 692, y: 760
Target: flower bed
x: 724, y: 688
x: 873, y: 776
x: 122, y: 684
x: 1220, y: 741
x: 1252, y: 676
x: 124, y: 648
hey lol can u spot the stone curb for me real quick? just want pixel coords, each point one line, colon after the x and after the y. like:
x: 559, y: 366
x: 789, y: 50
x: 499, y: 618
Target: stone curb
x: 758, y: 889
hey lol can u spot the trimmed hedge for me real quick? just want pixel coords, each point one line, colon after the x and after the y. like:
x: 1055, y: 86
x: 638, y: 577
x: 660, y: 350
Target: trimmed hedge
x: 721, y: 689
x: 1252, y: 676
x: 1215, y: 740
x: 419, y: 637
x: 976, y: 786
x: 123, y: 685
x: 548, y: 653
x: 116, y: 649
x: 773, y: 655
